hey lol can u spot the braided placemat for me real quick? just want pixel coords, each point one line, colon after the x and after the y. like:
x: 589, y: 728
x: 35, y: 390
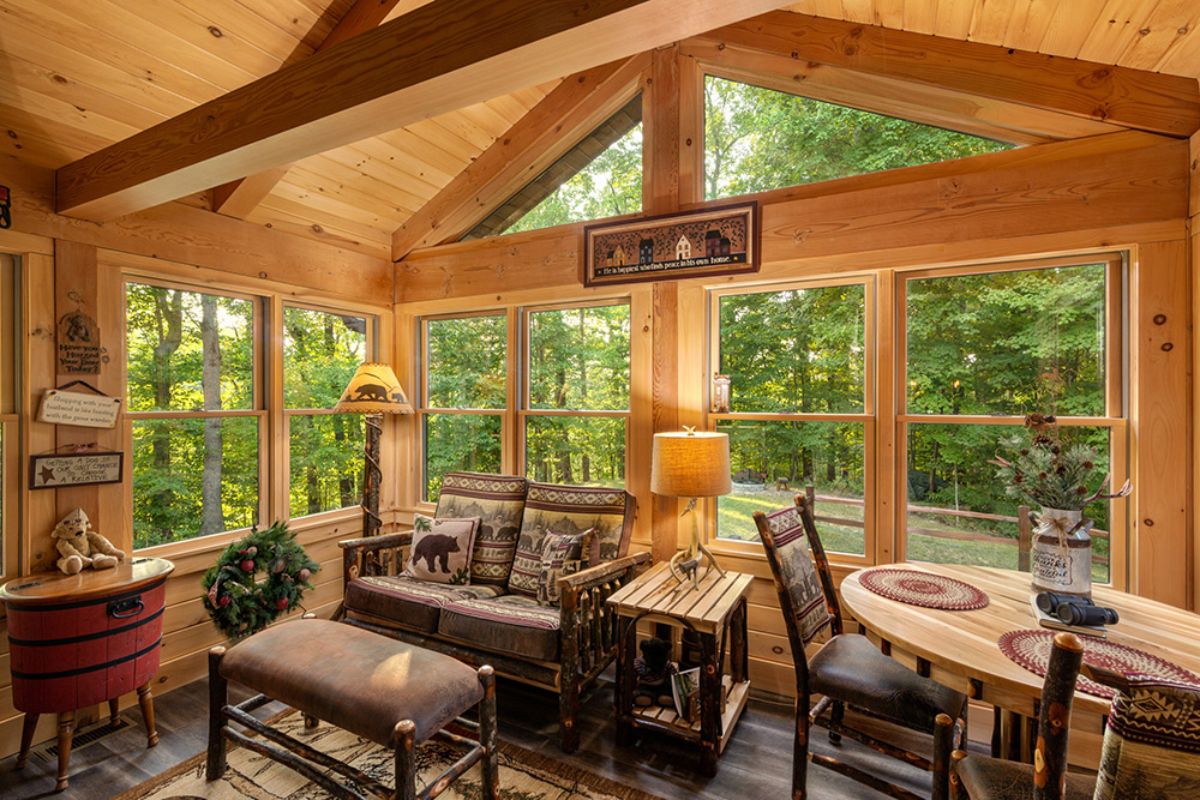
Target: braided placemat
x: 924, y: 589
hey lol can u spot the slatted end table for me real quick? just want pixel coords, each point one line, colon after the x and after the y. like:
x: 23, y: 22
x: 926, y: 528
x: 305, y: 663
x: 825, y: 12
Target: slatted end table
x: 79, y: 640
x: 716, y: 614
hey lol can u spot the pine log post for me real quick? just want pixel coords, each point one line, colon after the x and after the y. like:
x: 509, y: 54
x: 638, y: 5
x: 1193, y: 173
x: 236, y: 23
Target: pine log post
x: 218, y: 696
x: 372, y: 476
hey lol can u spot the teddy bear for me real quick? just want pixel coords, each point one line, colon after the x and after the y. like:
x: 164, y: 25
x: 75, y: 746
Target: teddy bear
x: 79, y: 546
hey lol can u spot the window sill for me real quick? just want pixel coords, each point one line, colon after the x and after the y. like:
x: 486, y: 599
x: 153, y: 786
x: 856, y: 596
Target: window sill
x: 218, y: 541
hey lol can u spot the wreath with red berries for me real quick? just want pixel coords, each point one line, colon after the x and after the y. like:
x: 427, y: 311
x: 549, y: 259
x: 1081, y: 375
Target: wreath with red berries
x: 256, y: 580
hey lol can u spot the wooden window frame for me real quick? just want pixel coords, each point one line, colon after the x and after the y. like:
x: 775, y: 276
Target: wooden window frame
x: 10, y: 435
x: 866, y: 418
x: 286, y: 414
x: 525, y: 410
x: 1115, y: 419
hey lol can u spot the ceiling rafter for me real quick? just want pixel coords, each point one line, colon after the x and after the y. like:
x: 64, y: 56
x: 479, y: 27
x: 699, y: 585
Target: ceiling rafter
x: 440, y: 57
x: 239, y: 198
x: 579, y: 104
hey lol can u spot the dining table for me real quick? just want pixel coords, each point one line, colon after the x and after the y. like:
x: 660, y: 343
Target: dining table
x: 960, y: 648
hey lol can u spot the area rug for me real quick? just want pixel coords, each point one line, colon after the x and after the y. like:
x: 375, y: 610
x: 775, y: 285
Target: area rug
x: 924, y: 589
x: 524, y: 775
x: 1031, y: 649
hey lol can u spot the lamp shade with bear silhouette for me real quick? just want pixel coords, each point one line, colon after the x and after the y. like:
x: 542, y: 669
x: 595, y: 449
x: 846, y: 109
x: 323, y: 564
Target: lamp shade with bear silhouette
x: 374, y: 389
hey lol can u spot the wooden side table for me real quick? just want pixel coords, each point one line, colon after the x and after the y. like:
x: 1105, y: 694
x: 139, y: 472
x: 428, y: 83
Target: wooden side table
x: 79, y: 640
x: 716, y: 614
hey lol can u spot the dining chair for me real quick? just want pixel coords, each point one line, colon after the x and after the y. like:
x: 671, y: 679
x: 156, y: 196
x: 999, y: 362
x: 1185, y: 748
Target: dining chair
x: 849, y: 671
x: 1151, y: 742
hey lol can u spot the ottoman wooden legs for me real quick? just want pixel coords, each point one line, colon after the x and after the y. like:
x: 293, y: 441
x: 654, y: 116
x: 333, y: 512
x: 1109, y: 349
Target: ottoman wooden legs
x: 297, y: 754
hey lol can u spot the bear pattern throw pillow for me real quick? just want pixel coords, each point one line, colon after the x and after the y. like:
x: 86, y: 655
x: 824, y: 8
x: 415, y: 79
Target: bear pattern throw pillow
x: 562, y: 554
x: 441, y: 549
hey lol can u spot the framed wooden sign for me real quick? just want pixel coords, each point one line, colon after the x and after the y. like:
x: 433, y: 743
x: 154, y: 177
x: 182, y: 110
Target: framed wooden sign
x: 76, y: 408
x: 53, y: 471
x: 694, y: 244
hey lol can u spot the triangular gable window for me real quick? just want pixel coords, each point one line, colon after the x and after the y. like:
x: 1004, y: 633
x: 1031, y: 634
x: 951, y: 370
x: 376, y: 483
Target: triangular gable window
x: 759, y: 139
x: 599, y: 177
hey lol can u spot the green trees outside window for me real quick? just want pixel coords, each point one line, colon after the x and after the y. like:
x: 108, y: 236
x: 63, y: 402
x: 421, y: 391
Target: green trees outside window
x: 192, y: 391
x: 464, y: 397
x: 578, y: 395
x: 321, y: 350
x: 759, y: 139
x: 790, y: 355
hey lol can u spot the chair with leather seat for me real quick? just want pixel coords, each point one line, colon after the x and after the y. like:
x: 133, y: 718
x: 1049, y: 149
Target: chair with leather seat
x: 849, y: 670
x: 1151, y: 742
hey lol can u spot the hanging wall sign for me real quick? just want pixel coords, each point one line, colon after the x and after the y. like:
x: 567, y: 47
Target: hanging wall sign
x: 696, y: 244
x: 79, y: 350
x: 94, y: 410
x: 53, y: 471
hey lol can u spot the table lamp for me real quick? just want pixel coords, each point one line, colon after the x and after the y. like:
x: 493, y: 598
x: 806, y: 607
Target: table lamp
x: 693, y: 465
x: 373, y: 391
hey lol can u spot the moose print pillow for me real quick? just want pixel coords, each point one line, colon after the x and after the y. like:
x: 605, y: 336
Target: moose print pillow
x: 441, y: 549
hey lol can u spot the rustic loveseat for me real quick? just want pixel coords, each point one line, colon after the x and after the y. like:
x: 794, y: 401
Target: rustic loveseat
x: 494, y: 619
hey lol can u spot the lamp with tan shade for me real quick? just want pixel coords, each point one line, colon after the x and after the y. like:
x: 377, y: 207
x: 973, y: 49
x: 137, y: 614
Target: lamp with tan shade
x: 374, y: 391
x: 693, y: 465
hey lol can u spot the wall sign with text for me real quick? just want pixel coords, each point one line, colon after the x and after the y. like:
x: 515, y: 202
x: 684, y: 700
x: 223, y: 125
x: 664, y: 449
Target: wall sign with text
x: 694, y: 244
x: 77, y: 408
x: 53, y: 471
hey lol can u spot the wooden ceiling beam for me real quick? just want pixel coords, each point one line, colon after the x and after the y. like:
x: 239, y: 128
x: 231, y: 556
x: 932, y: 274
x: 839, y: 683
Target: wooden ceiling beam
x: 1130, y: 98
x: 551, y: 128
x: 437, y: 58
x: 240, y: 197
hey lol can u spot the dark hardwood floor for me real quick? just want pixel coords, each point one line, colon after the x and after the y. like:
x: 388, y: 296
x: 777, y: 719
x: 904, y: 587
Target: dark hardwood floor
x: 755, y: 766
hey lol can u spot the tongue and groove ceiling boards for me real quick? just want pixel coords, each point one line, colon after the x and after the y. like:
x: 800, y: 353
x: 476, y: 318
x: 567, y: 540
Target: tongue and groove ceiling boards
x: 79, y: 76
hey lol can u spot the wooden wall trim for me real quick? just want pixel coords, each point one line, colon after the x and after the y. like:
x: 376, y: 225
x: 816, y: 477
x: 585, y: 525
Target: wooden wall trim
x: 439, y: 57
x: 1117, y: 95
x: 193, y: 236
x: 936, y: 213
x: 1194, y: 275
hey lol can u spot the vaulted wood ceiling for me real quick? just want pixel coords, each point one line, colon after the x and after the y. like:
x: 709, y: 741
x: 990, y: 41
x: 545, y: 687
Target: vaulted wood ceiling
x: 79, y: 75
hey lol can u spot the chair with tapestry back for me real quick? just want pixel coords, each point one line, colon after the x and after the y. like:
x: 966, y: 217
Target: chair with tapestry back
x: 848, y: 670
x: 1151, y: 742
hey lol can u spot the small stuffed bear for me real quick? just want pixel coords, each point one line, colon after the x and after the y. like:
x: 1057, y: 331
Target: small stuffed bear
x: 653, y: 670
x: 80, y: 546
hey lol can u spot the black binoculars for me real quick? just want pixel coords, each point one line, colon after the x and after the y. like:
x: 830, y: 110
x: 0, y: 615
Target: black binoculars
x: 1074, y: 610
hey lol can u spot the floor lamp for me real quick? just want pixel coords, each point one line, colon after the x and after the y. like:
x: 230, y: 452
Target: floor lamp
x: 692, y: 465
x: 373, y: 391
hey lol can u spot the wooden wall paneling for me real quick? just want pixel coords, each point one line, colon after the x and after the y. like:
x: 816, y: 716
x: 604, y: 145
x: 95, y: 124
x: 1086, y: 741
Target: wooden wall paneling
x: 665, y: 411
x: 37, y: 375
x: 190, y: 235
x: 1117, y: 95
x: 691, y: 130
x: 566, y: 115
x: 382, y: 79
x: 641, y: 407
x: 1162, y: 423
x: 1194, y: 273
x: 661, y: 133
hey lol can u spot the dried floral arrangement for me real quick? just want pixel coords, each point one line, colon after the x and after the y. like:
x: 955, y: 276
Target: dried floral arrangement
x: 1045, y: 472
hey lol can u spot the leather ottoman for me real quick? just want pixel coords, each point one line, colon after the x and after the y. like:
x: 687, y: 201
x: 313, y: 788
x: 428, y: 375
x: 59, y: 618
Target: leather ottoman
x: 394, y: 694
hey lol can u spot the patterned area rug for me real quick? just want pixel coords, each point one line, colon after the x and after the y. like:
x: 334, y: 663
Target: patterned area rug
x: 524, y: 775
x: 923, y: 589
x: 1031, y: 649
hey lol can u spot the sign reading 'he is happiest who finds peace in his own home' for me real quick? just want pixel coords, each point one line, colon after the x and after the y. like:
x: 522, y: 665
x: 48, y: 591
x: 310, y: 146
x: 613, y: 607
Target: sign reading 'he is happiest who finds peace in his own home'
x: 695, y: 244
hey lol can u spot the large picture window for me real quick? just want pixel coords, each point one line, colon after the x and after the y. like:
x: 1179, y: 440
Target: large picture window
x: 464, y: 397
x: 984, y: 347
x: 321, y: 350
x: 196, y: 411
x: 798, y: 362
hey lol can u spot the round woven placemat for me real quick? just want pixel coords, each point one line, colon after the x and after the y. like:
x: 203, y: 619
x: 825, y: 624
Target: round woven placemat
x: 923, y: 589
x: 1031, y: 649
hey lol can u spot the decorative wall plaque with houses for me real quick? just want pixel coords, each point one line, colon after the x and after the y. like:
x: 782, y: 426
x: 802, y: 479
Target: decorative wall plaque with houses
x: 695, y: 244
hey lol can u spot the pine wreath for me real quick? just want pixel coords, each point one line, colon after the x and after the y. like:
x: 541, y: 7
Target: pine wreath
x: 239, y: 602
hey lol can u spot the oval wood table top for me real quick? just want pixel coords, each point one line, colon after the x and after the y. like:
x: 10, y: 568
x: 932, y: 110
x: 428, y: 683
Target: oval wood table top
x: 51, y: 587
x: 963, y: 644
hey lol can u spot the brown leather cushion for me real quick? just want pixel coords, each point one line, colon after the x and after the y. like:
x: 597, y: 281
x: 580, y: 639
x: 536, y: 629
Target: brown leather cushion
x: 409, y: 602
x: 512, y: 624
x: 992, y: 779
x: 354, y: 679
x: 850, y: 669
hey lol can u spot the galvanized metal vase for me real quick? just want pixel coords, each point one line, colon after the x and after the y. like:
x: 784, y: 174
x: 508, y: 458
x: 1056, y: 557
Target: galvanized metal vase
x: 1062, y: 552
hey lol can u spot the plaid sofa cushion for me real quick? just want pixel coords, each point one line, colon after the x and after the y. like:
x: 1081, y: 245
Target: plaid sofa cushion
x: 511, y: 624
x: 1152, y: 743
x: 570, y: 510
x: 408, y: 602
x: 799, y: 574
x: 499, y: 502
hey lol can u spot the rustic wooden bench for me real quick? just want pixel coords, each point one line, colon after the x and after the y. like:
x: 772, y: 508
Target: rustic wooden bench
x: 394, y: 694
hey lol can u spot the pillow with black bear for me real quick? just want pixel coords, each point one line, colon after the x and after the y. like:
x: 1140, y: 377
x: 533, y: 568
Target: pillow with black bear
x: 441, y: 549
